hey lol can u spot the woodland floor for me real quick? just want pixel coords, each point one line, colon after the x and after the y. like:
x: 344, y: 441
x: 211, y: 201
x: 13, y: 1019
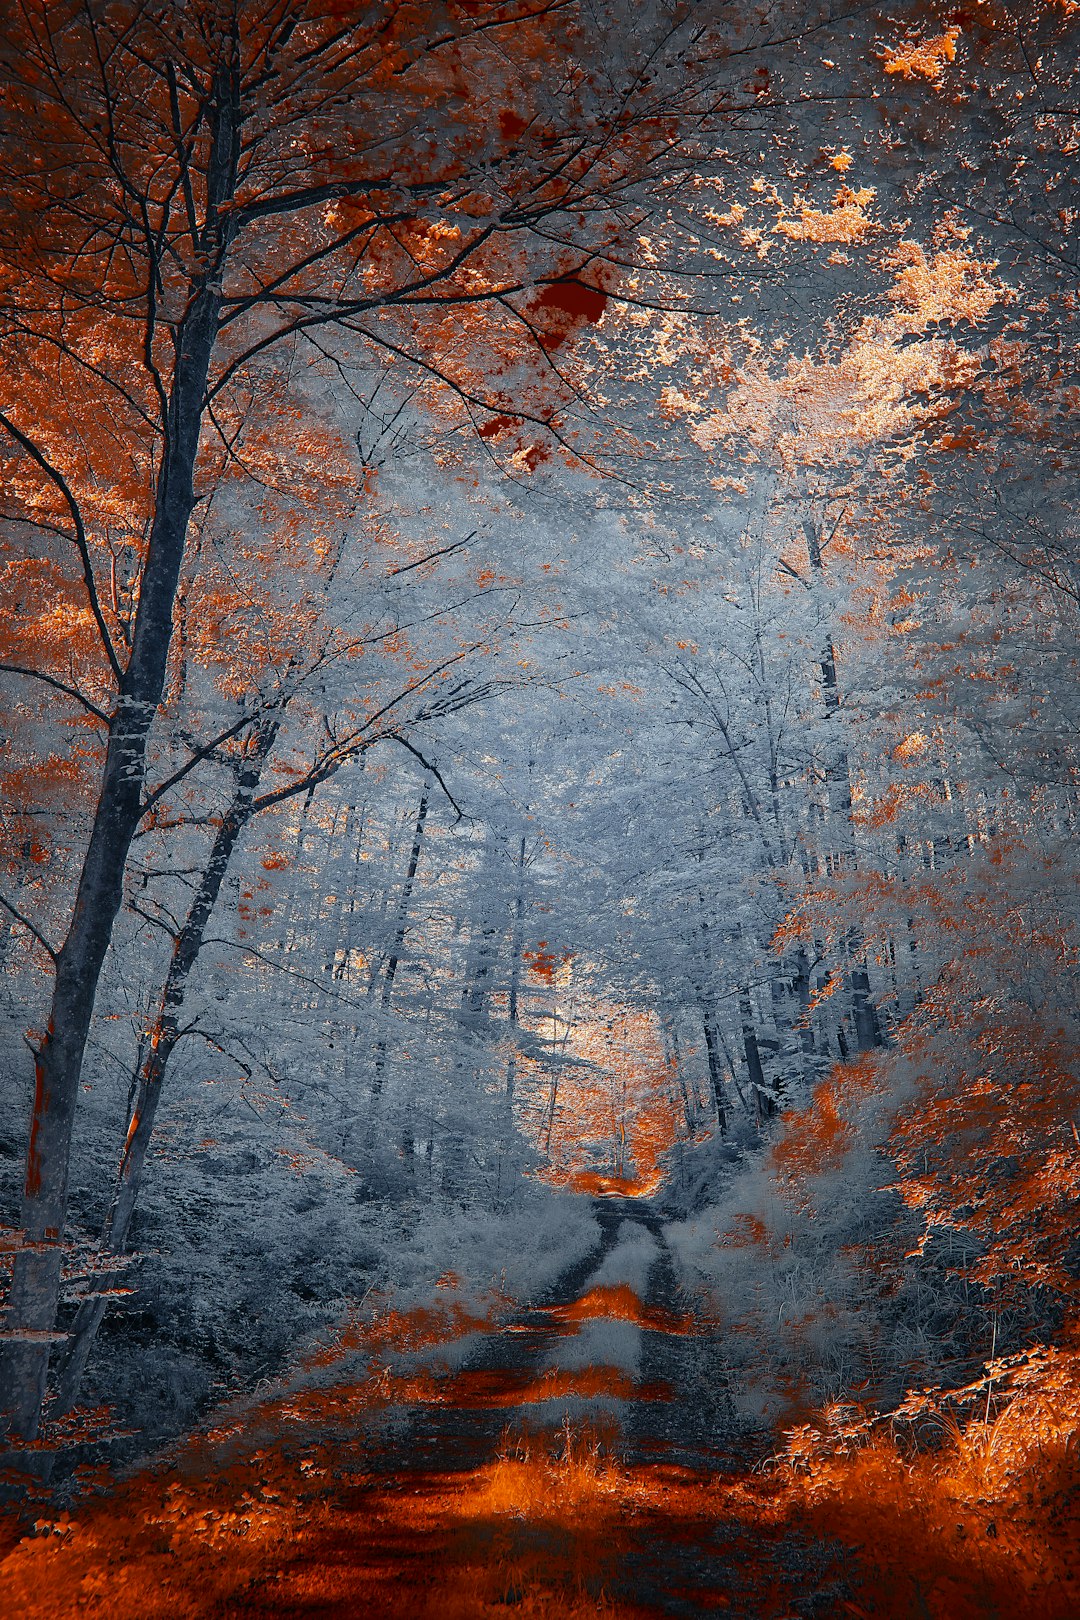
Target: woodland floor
x: 519, y: 1473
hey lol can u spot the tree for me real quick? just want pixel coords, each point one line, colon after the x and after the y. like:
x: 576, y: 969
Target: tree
x: 187, y: 190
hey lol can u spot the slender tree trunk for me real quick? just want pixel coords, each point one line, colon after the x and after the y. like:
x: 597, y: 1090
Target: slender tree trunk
x: 354, y: 836
x: 838, y: 779
x: 708, y: 1016
x: 408, y: 1152
x: 472, y: 1016
x: 156, y: 1048
x: 716, y: 1070
x: 58, y: 1060
x: 290, y: 911
x: 673, y: 1060
x: 474, y: 996
x: 35, y: 1286
x: 867, y: 1024
x: 354, y: 889
x: 732, y: 1068
x: 764, y: 1103
x: 548, y: 1124
x: 801, y: 985
x: 390, y: 973
x: 782, y: 997
x: 517, y: 941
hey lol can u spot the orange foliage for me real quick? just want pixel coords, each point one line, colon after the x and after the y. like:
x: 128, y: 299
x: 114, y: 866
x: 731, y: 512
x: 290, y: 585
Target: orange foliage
x: 564, y: 307
x: 960, y: 1502
x: 925, y: 58
x: 357, y: 220
x: 291, y: 1504
x: 981, y: 1090
x: 991, y: 1147
x: 551, y: 1525
x: 846, y: 221
x: 445, y: 1318
x: 818, y: 1137
x: 987, y: 1524
x: 541, y: 962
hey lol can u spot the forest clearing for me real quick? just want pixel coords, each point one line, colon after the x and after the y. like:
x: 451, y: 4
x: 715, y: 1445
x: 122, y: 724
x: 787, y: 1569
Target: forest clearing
x: 539, y: 612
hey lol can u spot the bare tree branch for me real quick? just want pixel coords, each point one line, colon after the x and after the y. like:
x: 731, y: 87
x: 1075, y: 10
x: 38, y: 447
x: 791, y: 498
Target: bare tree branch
x: 58, y: 480
x: 29, y: 926
x: 429, y: 765
x: 61, y: 686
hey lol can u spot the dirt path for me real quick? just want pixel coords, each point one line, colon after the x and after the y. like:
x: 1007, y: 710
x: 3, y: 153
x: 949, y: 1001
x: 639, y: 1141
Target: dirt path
x: 562, y: 1463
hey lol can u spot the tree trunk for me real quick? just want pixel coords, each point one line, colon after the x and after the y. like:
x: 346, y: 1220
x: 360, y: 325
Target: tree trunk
x: 764, y: 1102
x: 838, y: 782
x: 156, y: 1048
x: 716, y: 1071
x: 390, y: 973
x: 673, y: 1061
x: 867, y: 1024
x: 513, y: 1010
x: 58, y: 1060
x: 354, y: 839
x: 801, y: 987
x: 708, y: 1016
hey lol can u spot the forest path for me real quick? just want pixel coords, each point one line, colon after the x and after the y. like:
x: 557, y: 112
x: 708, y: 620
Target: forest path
x: 573, y: 1356
x: 558, y: 1463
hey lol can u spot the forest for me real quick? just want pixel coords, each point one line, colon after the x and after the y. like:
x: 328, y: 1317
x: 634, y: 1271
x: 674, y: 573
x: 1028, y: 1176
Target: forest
x: 539, y: 777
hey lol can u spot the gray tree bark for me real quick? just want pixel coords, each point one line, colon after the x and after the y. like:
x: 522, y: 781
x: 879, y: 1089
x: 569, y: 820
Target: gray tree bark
x: 156, y: 1048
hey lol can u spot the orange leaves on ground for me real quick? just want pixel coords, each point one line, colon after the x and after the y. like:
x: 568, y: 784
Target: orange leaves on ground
x: 559, y: 1532
x: 586, y: 1383
x: 389, y: 1330
x: 619, y: 1302
x: 427, y: 1325
x: 553, y: 1526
